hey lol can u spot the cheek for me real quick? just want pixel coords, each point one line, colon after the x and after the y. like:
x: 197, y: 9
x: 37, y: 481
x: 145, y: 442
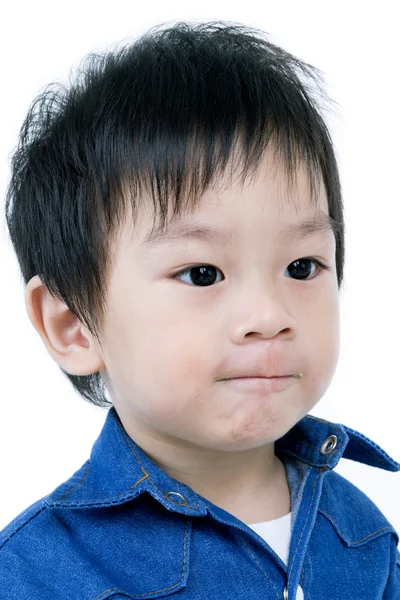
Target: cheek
x: 183, y: 366
x: 175, y: 337
x: 324, y: 345
x: 158, y: 347
x: 172, y: 354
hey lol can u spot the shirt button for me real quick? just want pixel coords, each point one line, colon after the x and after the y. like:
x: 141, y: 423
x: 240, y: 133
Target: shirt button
x: 179, y: 500
x: 329, y: 444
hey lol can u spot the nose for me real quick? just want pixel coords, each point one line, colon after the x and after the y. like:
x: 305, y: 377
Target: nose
x: 261, y: 311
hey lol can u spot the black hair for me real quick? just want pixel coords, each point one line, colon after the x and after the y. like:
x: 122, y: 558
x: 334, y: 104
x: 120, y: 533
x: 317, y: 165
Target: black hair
x: 161, y: 116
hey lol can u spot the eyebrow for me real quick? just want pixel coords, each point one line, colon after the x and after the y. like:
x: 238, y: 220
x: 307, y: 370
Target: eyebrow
x: 320, y: 223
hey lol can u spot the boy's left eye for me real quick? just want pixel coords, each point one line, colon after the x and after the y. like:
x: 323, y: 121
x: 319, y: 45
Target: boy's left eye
x: 204, y: 275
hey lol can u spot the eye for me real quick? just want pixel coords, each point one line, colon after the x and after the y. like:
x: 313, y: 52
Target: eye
x: 202, y: 275
x: 205, y: 275
x: 301, y: 266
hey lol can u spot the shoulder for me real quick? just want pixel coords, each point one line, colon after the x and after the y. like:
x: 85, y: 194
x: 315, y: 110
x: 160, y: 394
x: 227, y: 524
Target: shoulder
x: 59, y: 549
x: 29, y: 547
x: 28, y: 517
x: 21, y: 551
x: 354, y: 516
x: 36, y: 516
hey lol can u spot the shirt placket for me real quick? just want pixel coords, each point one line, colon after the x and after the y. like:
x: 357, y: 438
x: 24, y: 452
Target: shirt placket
x: 302, y: 529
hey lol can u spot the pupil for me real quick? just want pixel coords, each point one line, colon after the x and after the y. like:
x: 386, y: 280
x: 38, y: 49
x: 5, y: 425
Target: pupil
x: 301, y: 273
x: 203, y: 275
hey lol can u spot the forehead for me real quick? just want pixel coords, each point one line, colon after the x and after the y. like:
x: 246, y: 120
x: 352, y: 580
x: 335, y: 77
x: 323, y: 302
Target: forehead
x: 320, y: 223
x: 226, y: 208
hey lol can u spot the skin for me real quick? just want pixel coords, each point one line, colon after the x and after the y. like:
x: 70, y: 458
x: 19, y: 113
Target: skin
x: 169, y: 343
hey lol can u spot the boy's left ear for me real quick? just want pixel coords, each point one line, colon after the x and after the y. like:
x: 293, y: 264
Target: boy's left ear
x: 67, y: 340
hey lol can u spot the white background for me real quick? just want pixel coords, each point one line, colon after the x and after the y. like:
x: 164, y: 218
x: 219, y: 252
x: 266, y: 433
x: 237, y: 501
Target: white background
x: 46, y: 429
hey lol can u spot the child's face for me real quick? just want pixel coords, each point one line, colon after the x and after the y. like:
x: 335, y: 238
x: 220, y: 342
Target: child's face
x: 168, y: 344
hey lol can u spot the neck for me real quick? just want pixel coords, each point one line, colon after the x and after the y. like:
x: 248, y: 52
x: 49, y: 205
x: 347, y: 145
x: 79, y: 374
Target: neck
x: 251, y: 484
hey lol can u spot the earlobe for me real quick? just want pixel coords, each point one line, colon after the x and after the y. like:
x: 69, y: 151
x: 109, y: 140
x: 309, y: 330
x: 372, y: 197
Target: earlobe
x: 66, y: 339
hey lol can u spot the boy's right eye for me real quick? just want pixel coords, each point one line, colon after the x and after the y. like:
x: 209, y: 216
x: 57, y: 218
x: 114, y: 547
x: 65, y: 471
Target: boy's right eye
x: 202, y: 275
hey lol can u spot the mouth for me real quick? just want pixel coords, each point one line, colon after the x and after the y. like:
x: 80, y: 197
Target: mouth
x: 263, y: 377
x: 264, y: 385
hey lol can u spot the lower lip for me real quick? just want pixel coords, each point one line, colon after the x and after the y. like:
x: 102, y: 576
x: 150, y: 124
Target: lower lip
x: 260, y: 384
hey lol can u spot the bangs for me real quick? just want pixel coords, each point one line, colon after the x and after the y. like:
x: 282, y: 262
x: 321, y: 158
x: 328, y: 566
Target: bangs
x: 189, y: 101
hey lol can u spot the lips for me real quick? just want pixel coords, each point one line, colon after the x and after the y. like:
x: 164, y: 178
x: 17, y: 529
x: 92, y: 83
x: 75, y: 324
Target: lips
x: 259, y: 385
x: 261, y: 376
x: 269, y: 366
x: 257, y: 376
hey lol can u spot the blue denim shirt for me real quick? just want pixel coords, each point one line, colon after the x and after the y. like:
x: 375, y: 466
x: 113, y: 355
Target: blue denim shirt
x: 121, y: 528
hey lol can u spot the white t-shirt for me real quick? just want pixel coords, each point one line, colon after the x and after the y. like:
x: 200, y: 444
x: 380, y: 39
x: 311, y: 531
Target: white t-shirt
x: 277, y: 534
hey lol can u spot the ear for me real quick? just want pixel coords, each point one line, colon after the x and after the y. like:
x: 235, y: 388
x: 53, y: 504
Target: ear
x: 66, y: 339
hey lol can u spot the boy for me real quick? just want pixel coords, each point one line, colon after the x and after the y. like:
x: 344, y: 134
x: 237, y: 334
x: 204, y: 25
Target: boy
x: 197, y: 150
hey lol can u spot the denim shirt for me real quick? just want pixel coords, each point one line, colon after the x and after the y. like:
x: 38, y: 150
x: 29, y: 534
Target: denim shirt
x: 121, y: 528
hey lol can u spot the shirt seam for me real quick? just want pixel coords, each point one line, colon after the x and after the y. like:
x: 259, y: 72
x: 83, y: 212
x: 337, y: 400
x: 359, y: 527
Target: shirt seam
x: 324, y: 512
x: 305, y: 524
x: 259, y: 566
x: 128, y: 441
x: 165, y: 589
x: 78, y: 484
x: 23, y: 524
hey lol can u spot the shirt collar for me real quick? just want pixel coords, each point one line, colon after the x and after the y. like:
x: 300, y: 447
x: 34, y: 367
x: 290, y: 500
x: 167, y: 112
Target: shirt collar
x: 119, y: 470
x: 322, y: 444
